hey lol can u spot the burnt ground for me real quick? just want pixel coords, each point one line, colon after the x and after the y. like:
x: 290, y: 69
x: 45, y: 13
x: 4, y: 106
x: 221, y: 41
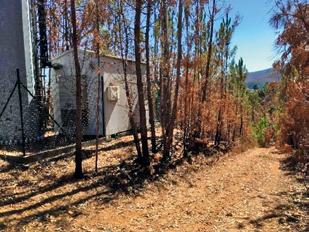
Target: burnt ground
x: 257, y: 190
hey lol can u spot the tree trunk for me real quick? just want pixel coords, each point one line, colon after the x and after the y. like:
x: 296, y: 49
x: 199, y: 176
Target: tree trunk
x: 207, y: 71
x: 186, y: 103
x: 124, y: 56
x: 241, y: 122
x: 171, y: 125
x: 78, y: 146
x: 97, y: 33
x: 140, y: 87
x: 164, y: 75
x: 149, y: 95
x: 219, y: 119
x: 209, y: 51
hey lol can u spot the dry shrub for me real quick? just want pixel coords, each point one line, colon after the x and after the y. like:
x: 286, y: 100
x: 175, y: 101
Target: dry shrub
x: 284, y: 148
x: 269, y: 135
x: 295, y: 118
x: 200, y: 119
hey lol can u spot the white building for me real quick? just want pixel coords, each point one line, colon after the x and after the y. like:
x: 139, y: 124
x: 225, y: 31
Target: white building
x: 113, y: 98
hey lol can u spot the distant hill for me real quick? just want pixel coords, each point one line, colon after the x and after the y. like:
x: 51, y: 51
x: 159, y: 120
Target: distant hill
x: 260, y: 78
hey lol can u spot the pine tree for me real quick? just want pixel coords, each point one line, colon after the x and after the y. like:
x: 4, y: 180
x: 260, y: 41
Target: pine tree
x: 78, y: 145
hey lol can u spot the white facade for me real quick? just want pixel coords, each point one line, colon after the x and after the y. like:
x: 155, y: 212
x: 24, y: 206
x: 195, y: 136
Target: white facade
x: 115, y: 100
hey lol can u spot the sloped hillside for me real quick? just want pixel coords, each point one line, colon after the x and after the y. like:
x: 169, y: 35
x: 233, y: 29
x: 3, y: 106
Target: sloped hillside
x: 260, y: 78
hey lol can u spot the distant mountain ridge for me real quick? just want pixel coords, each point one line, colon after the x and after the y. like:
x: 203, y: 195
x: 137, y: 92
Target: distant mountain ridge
x: 260, y: 78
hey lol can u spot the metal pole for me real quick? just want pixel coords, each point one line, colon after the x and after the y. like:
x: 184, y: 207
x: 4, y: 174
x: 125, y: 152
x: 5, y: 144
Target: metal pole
x: 21, y: 112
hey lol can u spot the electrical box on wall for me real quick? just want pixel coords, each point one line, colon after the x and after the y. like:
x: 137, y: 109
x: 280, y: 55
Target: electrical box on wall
x: 113, y: 93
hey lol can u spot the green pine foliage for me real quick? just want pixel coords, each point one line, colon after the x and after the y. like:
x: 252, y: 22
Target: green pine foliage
x: 260, y: 131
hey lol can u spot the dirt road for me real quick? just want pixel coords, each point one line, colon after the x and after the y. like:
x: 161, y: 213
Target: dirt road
x: 250, y: 191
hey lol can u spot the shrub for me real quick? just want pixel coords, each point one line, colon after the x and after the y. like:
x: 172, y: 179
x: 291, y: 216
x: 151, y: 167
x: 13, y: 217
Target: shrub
x: 261, y: 132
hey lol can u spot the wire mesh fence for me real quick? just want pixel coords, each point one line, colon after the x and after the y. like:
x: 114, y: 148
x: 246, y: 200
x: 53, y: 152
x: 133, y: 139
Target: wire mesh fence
x: 26, y: 125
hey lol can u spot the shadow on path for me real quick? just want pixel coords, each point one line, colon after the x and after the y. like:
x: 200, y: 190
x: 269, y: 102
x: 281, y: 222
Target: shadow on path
x: 295, y: 213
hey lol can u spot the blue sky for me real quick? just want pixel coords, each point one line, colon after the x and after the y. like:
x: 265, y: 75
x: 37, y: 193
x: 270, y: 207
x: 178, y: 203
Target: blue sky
x: 254, y: 36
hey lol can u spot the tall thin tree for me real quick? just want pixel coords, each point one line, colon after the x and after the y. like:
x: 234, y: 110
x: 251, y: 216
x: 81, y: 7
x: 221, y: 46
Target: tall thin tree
x: 140, y: 85
x: 97, y: 38
x: 78, y: 146
x: 209, y: 50
x: 149, y: 86
x: 124, y: 50
x: 171, y: 125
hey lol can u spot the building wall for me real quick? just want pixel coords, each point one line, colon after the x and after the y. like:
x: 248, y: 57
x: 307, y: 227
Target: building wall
x: 15, y: 52
x: 116, y: 113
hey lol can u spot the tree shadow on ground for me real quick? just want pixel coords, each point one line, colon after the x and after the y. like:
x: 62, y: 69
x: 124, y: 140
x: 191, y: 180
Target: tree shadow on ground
x: 15, y: 169
x: 124, y: 178
x: 104, y: 191
x: 88, y: 153
x: 284, y: 214
x: 18, y: 168
x: 293, y: 214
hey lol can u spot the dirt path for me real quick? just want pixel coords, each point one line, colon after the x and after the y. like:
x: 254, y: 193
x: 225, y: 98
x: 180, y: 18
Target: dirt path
x: 241, y: 192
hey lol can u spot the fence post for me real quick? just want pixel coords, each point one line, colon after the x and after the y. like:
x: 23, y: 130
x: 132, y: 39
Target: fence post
x: 103, y: 108
x: 21, y: 112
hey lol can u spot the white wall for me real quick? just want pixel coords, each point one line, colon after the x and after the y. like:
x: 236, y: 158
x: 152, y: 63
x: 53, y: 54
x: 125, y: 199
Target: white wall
x: 116, y: 113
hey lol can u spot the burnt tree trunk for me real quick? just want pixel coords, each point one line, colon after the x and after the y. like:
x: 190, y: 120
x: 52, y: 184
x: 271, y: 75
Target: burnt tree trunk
x: 186, y: 103
x: 97, y: 36
x: 204, y: 83
x: 209, y: 50
x: 140, y: 87
x: 78, y: 146
x: 164, y: 74
x: 149, y: 95
x: 124, y: 49
x: 170, y: 129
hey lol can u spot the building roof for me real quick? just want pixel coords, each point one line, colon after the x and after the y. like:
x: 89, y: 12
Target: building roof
x: 91, y: 52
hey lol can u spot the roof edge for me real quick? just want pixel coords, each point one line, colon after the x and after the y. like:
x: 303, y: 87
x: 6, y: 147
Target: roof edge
x: 80, y: 50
